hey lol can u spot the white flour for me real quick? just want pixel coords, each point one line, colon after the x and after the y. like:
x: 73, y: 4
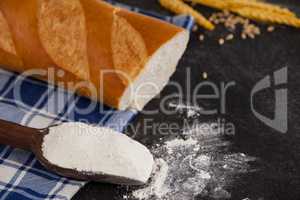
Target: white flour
x: 194, y: 168
x: 176, y: 175
x: 98, y: 150
x: 156, y: 187
x: 190, y: 110
x: 171, y: 145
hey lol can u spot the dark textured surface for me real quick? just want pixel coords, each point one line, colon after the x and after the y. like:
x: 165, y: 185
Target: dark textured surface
x: 245, y: 62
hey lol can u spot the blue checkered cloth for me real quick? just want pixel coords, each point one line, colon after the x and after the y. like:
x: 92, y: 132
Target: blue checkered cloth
x: 41, y: 105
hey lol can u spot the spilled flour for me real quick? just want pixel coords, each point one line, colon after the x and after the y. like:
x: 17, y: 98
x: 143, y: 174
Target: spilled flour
x: 193, y: 168
x: 156, y: 188
x: 190, y: 110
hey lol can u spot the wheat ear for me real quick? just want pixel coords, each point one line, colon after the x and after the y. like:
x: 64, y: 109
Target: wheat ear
x: 180, y: 7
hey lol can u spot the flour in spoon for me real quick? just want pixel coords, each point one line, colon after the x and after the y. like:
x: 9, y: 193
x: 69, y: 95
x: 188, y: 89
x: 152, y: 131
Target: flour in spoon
x: 98, y: 150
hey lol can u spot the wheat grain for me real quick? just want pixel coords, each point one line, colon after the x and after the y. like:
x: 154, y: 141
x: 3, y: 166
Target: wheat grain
x: 229, y: 37
x: 221, y: 41
x: 270, y: 28
x: 195, y: 28
x: 201, y: 37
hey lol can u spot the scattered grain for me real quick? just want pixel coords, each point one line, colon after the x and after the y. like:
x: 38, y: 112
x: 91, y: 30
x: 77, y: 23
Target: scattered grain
x: 243, y: 36
x: 221, y: 41
x: 201, y: 37
x: 250, y: 30
x: 229, y: 37
x: 195, y: 28
x: 231, y: 21
x: 204, y: 75
x: 270, y: 28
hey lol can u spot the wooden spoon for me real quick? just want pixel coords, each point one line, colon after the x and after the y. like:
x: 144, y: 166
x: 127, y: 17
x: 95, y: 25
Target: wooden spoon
x: 31, y: 139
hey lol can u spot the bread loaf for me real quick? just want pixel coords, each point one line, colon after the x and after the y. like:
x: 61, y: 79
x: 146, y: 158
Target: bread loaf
x: 127, y: 57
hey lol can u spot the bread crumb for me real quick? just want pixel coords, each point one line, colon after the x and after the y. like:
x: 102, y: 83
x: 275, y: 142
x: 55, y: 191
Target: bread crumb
x: 204, y: 75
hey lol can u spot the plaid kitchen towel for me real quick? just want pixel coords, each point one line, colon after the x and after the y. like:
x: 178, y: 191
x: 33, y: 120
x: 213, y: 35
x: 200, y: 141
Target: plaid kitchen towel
x: 36, y: 104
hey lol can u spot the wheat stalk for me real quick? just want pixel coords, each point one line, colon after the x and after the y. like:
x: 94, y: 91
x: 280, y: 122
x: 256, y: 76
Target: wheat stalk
x: 233, y: 4
x: 254, y: 10
x: 180, y: 7
x: 222, y: 5
x: 268, y: 16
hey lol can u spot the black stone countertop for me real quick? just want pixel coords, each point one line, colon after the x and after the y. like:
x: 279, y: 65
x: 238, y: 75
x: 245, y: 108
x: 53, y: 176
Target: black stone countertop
x: 245, y: 62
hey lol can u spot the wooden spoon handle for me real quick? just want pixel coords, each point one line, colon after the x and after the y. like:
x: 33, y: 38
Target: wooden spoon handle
x: 16, y: 135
